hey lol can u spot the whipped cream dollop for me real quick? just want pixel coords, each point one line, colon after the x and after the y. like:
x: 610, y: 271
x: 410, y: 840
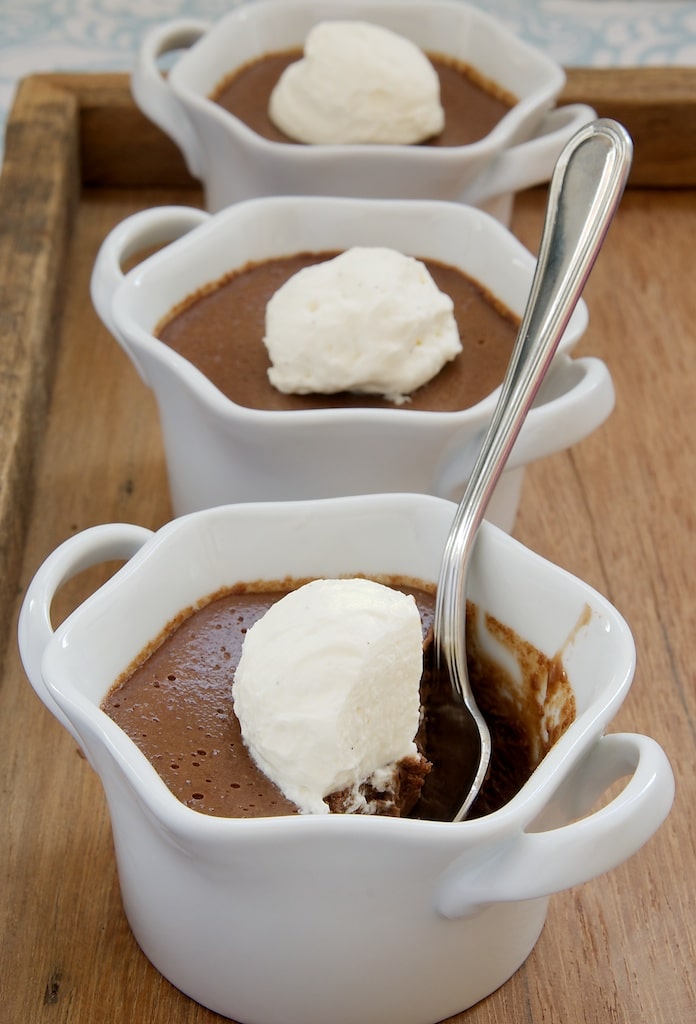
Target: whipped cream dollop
x: 327, y: 690
x: 358, y: 83
x: 370, y: 320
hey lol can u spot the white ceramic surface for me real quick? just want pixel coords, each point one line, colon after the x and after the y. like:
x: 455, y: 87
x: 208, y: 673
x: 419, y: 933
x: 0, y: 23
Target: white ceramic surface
x: 273, y: 920
x: 219, y: 452
x: 234, y: 162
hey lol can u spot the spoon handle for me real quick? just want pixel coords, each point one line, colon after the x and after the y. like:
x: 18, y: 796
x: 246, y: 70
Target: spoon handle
x: 586, y: 187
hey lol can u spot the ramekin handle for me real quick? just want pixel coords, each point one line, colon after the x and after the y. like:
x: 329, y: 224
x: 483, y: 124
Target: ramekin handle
x: 576, y: 412
x: 99, y: 544
x: 581, y: 403
x: 538, y: 864
x: 154, y: 95
x: 147, y: 228
x: 532, y: 162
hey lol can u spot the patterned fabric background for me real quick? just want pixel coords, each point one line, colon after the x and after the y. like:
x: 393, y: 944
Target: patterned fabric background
x: 104, y: 35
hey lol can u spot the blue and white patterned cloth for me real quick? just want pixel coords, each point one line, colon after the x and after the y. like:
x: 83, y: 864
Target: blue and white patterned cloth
x: 104, y: 35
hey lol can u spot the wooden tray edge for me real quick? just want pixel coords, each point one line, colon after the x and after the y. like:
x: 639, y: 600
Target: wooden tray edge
x: 658, y: 108
x: 39, y: 190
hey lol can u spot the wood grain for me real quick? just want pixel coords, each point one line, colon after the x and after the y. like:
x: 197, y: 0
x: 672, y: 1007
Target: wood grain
x: 657, y: 106
x: 619, y: 510
x: 39, y: 186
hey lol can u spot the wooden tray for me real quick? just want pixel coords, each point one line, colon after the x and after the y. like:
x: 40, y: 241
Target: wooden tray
x: 80, y: 444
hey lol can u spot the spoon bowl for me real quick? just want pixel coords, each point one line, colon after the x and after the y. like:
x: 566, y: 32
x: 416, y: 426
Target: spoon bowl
x: 585, y: 190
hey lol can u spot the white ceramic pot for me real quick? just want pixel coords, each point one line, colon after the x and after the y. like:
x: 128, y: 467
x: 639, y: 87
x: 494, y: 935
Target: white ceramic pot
x: 234, y: 162
x: 219, y: 452
x: 309, y: 919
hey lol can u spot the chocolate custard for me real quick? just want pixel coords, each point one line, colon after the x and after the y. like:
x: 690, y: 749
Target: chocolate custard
x: 220, y: 330
x: 473, y: 105
x: 176, y: 705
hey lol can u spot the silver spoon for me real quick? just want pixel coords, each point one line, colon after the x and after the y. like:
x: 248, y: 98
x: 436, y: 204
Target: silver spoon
x: 585, y: 190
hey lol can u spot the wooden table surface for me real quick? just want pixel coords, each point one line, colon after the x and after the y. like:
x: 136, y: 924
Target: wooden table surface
x: 618, y: 510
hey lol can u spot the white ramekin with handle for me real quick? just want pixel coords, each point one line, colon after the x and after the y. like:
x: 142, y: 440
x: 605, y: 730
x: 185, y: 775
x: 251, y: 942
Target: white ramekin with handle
x: 343, y: 918
x: 219, y: 451
x: 234, y: 162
